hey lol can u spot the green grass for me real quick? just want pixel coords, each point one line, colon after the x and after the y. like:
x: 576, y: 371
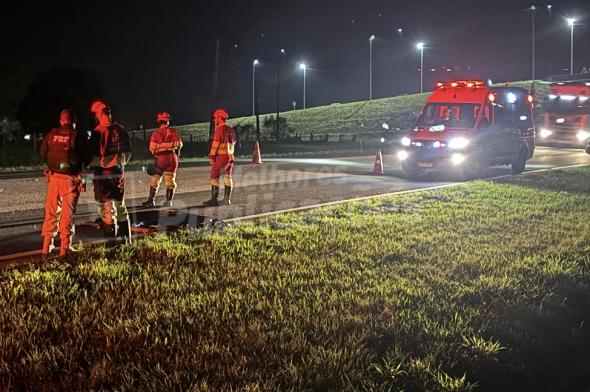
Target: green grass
x: 484, y: 286
x: 350, y: 118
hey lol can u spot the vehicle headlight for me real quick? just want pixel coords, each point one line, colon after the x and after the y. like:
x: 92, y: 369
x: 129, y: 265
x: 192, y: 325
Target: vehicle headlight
x: 457, y: 159
x: 402, y: 155
x: 583, y: 135
x: 458, y: 143
x: 406, y: 141
x: 545, y: 133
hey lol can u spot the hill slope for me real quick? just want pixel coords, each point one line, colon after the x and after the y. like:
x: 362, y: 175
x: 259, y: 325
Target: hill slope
x: 348, y: 118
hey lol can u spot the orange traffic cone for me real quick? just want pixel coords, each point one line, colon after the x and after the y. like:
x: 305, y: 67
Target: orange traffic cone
x: 378, y: 168
x: 256, y: 156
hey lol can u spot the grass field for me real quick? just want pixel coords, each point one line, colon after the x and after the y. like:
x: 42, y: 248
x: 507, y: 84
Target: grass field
x: 483, y: 286
x: 350, y: 118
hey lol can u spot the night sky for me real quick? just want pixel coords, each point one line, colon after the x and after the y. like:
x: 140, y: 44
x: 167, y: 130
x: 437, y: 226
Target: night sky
x: 156, y: 56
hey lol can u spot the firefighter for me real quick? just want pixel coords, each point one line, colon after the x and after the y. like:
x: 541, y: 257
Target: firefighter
x: 221, y: 157
x: 111, y: 149
x: 165, y: 145
x: 65, y: 152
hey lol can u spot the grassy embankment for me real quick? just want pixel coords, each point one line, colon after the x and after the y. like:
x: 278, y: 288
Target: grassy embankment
x: 480, y: 286
x: 351, y: 118
x: 356, y: 118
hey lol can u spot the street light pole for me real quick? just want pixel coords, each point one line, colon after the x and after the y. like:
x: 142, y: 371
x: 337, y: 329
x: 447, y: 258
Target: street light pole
x: 533, y: 8
x: 303, y: 67
x: 277, y: 126
x: 254, y: 63
x: 571, y: 22
x: 420, y: 46
x: 371, y: 38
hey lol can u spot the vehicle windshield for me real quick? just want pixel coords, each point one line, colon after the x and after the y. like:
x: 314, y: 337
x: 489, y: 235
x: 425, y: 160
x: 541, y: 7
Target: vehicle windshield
x: 577, y: 105
x: 453, y: 115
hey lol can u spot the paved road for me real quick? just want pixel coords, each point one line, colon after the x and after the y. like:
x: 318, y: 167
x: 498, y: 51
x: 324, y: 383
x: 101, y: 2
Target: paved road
x: 277, y: 184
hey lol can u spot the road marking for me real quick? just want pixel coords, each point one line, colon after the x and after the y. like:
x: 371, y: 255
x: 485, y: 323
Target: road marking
x: 22, y: 255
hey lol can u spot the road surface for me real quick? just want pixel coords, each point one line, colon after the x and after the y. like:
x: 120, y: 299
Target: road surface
x: 278, y: 184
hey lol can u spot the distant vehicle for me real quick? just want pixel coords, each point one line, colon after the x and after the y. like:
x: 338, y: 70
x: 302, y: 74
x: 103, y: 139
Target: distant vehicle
x: 467, y: 125
x: 567, y: 114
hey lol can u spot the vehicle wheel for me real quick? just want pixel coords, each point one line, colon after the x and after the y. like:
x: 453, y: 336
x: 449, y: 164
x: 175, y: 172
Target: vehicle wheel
x: 531, y: 152
x: 519, y: 164
x: 411, y: 170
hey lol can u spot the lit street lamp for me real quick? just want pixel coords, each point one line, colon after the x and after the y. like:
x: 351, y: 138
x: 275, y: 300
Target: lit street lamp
x: 400, y: 31
x: 254, y: 63
x: 304, y: 68
x: 371, y: 38
x: 420, y: 47
x: 572, y: 23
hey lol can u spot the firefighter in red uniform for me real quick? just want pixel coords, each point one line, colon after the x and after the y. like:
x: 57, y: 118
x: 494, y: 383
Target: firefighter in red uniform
x: 221, y: 157
x: 65, y: 152
x: 165, y: 145
x: 111, y: 149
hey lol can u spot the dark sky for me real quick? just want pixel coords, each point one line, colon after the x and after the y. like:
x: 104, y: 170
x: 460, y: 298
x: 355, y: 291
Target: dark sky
x: 157, y: 56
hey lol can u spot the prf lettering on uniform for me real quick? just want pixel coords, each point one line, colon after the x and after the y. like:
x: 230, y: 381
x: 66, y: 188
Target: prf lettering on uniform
x: 61, y: 139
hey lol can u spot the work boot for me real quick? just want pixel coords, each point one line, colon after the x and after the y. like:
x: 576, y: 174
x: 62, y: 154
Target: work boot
x: 214, y: 196
x: 66, y: 246
x: 110, y: 234
x: 150, y: 202
x: 169, y: 197
x: 124, y: 231
x: 48, y: 246
x: 226, y: 196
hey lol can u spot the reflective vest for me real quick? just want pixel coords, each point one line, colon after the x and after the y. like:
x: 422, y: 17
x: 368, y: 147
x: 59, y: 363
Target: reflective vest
x: 165, y: 140
x: 224, y: 140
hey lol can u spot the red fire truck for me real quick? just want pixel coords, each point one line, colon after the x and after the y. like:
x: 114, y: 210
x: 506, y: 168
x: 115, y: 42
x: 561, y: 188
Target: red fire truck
x: 468, y: 125
x: 567, y: 114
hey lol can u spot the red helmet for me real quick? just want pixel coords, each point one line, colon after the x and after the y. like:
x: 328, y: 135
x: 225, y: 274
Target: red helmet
x: 220, y: 113
x: 163, y: 116
x: 67, y: 117
x: 98, y: 107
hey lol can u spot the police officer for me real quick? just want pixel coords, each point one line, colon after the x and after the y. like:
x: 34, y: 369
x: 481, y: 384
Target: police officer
x: 111, y: 149
x: 221, y: 157
x: 165, y: 145
x: 65, y: 152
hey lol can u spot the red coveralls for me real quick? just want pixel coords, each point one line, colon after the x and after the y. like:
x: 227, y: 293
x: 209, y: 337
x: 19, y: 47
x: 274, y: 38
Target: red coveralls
x: 164, y: 144
x: 222, y: 153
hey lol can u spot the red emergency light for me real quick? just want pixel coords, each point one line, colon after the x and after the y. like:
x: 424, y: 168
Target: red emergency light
x: 472, y: 84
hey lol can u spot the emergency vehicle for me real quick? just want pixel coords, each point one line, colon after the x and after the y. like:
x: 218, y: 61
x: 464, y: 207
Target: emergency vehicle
x: 468, y: 125
x: 567, y: 114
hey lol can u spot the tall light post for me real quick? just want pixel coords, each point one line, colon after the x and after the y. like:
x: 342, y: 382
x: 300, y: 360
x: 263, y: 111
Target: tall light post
x: 400, y: 31
x: 304, y: 68
x: 532, y: 8
x: 284, y: 53
x: 254, y: 63
x: 420, y: 47
x: 371, y: 38
x: 572, y: 23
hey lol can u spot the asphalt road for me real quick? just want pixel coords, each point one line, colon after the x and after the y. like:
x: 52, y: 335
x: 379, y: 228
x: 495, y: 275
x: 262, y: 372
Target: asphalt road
x: 278, y: 184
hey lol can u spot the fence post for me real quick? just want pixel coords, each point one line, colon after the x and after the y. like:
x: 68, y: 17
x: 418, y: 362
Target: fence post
x: 311, y: 137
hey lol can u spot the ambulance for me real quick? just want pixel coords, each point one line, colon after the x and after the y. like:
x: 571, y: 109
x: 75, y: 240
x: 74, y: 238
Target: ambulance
x: 467, y: 126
